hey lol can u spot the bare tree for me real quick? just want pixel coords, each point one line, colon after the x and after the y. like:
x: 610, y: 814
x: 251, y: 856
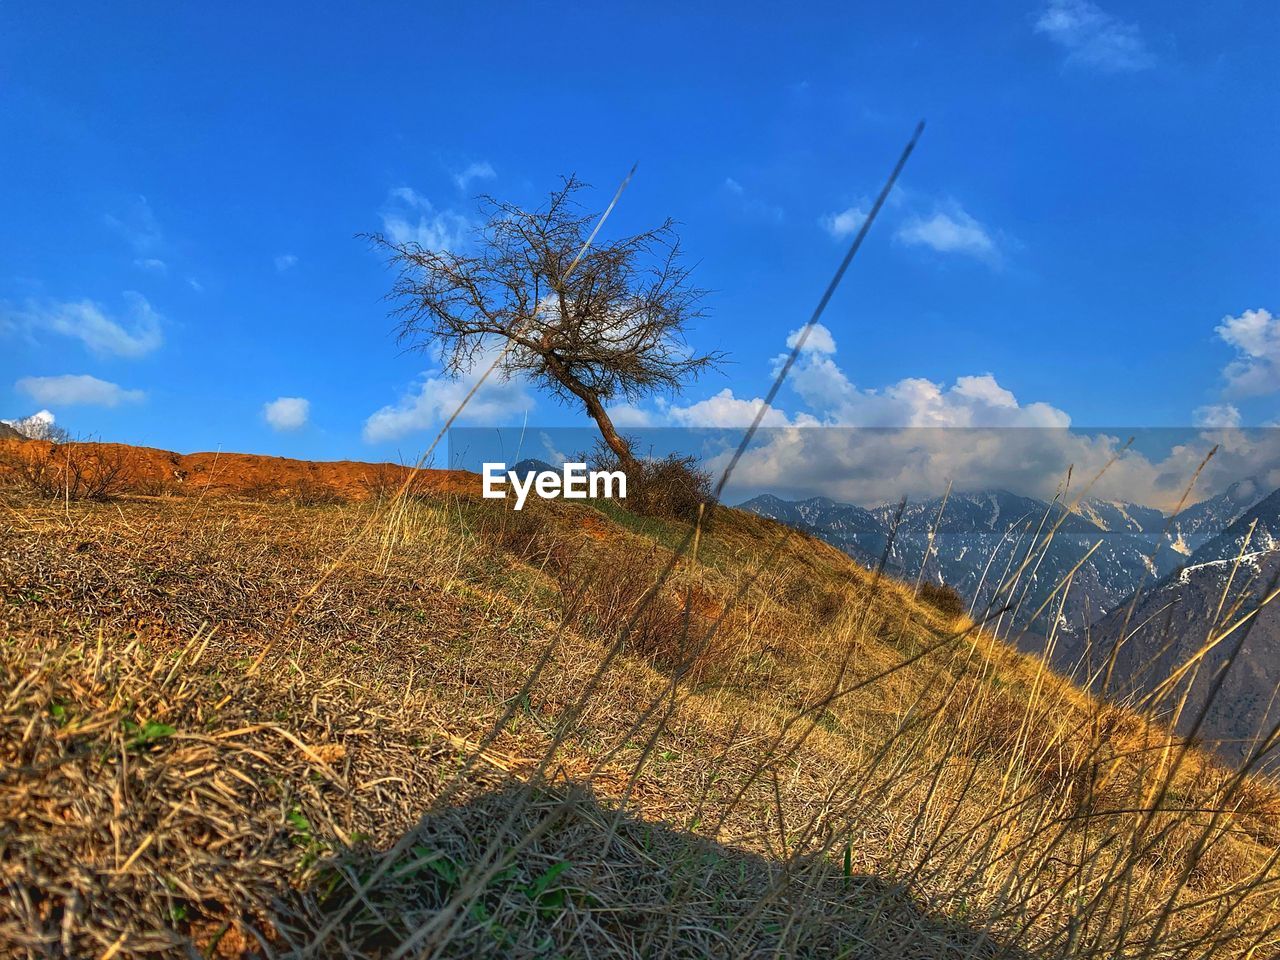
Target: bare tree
x: 611, y: 328
x: 34, y: 427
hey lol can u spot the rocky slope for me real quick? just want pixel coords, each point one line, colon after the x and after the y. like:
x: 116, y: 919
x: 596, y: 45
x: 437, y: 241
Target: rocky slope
x: 1221, y: 584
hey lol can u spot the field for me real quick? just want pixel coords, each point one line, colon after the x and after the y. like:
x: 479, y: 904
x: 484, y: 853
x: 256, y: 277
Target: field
x: 300, y: 725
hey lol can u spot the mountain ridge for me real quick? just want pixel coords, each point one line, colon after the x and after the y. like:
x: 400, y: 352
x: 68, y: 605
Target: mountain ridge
x: 978, y: 539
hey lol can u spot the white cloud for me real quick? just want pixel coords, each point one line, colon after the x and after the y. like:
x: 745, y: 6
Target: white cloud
x: 71, y: 389
x: 629, y: 415
x: 410, y: 217
x: 733, y: 186
x: 951, y: 230
x: 913, y: 436
x: 287, y: 413
x: 874, y: 445
x: 723, y: 410
x: 139, y: 227
x: 845, y: 223
x: 154, y: 264
x: 830, y: 399
x: 437, y: 396
x: 1093, y: 38
x: 195, y: 284
x: 975, y: 400
x: 870, y: 466
x: 1216, y: 415
x: 38, y: 426
x: 482, y: 170
x: 552, y: 449
x: 971, y: 401
x: 90, y: 323
x: 285, y: 261
x: 869, y: 445
x: 1255, y: 335
x: 819, y: 340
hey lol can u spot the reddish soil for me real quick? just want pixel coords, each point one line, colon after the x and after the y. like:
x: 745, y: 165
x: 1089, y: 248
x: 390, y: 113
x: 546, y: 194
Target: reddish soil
x: 161, y: 472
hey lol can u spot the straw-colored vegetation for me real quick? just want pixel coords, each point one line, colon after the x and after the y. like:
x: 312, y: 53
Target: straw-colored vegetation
x: 233, y: 728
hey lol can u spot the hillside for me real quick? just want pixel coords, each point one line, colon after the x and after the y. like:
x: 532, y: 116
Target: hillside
x: 1195, y: 606
x: 286, y: 726
x: 148, y: 471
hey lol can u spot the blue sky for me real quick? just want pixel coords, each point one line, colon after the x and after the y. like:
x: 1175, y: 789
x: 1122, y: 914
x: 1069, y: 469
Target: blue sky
x: 1087, y: 230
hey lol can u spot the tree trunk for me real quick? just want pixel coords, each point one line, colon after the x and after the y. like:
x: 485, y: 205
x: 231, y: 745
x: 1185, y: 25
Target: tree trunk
x: 595, y: 409
x: 617, y: 443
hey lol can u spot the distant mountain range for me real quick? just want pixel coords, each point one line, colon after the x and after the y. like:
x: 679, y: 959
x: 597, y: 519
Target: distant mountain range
x: 1180, y: 565
x: 983, y: 540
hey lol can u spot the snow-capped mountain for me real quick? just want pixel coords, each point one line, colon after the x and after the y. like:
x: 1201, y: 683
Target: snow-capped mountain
x: 999, y: 549
x: 1220, y: 585
x: 1119, y: 517
x: 1162, y: 584
x: 1203, y: 521
x: 855, y: 530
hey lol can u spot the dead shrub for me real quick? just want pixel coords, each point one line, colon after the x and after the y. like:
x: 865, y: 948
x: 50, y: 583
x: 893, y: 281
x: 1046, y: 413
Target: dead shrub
x: 158, y: 487
x: 304, y: 493
x: 606, y: 595
x: 70, y: 471
x: 673, y: 487
x: 600, y: 595
x: 529, y: 535
x: 944, y: 598
x: 383, y: 481
x: 262, y: 490
x: 313, y: 493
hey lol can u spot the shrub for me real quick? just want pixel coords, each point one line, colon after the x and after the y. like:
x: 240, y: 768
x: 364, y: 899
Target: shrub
x: 944, y: 598
x: 528, y: 534
x: 673, y: 487
x: 158, y: 487
x: 600, y: 595
x: 385, y: 481
x: 603, y: 597
x: 313, y: 493
x: 71, y: 471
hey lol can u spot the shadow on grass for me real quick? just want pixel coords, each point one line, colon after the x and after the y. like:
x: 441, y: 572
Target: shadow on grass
x: 591, y: 883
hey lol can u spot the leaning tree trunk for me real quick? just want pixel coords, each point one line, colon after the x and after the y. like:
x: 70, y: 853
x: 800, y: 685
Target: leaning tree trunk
x: 617, y: 443
x: 595, y: 409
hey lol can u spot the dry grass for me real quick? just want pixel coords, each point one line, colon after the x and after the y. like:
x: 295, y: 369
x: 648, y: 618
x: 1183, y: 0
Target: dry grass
x: 431, y: 728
